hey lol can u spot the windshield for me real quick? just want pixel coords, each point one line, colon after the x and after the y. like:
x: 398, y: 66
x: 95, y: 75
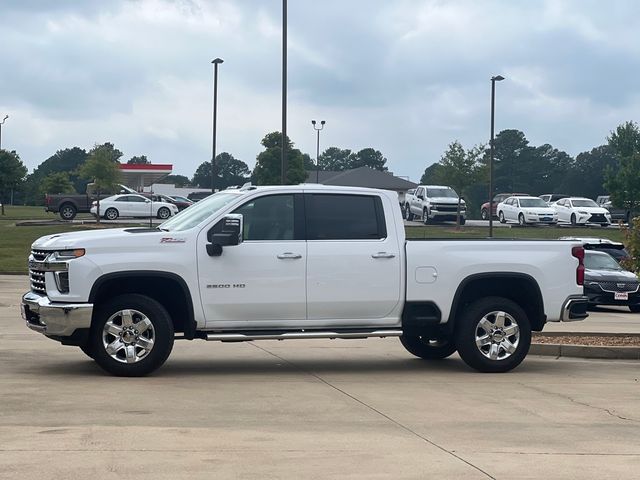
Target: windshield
x: 181, y: 199
x: 441, y: 192
x: 594, y: 261
x: 198, y: 212
x: 585, y: 202
x: 532, y: 202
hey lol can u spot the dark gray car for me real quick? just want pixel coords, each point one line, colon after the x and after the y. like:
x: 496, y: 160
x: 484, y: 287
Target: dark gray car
x: 607, y: 283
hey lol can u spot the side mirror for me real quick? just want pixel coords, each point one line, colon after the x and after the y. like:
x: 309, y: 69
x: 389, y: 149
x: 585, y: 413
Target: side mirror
x: 147, y: 201
x: 420, y: 197
x: 226, y: 233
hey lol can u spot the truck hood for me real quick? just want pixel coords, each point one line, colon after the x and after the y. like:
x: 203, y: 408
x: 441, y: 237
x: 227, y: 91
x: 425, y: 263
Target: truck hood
x: 610, y: 276
x: 448, y: 200
x: 89, y: 238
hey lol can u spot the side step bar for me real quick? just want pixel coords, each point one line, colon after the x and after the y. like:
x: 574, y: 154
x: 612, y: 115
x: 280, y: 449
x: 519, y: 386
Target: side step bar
x: 245, y: 337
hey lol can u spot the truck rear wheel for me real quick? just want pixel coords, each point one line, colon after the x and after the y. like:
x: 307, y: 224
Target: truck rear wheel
x: 493, y: 335
x: 68, y: 211
x: 131, y: 335
x: 428, y: 348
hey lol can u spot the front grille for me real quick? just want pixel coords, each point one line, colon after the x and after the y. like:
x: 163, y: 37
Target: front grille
x: 446, y: 207
x: 619, y: 286
x: 36, y: 276
x: 598, y: 218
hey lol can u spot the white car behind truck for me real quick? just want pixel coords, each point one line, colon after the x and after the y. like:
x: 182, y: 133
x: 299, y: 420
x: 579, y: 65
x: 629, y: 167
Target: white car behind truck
x: 435, y: 203
x: 297, y: 262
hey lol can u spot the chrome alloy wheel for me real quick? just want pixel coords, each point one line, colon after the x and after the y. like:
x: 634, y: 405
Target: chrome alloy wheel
x: 497, y: 335
x: 128, y: 336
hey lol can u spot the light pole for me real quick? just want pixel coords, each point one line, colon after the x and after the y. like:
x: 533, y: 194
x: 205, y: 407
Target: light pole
x: 2, y: 123
x: 322, y: 122
x: 216, y: 62
x: 283, y: 157
x: 497, y: 78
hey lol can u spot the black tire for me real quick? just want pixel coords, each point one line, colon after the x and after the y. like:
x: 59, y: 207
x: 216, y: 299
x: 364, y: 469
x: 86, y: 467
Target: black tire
x: 463, y: 220
x: 163, y: 335
x: 604, y: 225
x: 521, y: 221
x: 468, y: 328
x: 164, y: 213
x: 111, y: 214
x: 573, y: 219
x: 634, y: 308
x: 86, y: 349
x: 425, y: 216
x: 68, y: 211
x: 501, y: 217
x: 407, y: 213
x: 429, y: 349
x: 484, y: 214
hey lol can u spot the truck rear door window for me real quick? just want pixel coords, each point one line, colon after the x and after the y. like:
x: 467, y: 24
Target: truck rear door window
x: 344, y: 217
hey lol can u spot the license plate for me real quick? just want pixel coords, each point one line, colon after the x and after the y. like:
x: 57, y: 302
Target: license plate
x: 546, y: 219
x: 621, y: 296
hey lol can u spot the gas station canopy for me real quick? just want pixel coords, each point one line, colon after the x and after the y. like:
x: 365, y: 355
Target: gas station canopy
x: 144, y: 175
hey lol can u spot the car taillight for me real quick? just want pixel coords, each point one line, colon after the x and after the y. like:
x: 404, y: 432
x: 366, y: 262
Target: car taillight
x: 578, y: 252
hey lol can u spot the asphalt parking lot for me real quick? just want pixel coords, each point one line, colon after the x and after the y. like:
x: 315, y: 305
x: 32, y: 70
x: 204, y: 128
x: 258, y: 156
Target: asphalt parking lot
x: 308, y: 409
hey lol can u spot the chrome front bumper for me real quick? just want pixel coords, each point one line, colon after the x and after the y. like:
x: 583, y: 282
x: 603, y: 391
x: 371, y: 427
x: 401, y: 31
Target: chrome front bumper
x: 54, y: 319
x: 574, y: 308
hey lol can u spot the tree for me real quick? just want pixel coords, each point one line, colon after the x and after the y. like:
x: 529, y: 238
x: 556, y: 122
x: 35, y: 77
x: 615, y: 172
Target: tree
x: 368, y: 157
x: 177, y: 180
x: 509, y: 148
x: 102, y: 167
x: 586, y: 176
x: 12, y: 173
x: 459, y: 169
x: 138, y: 160
x: 57, y: 183
x: 623, y: 182
x: 309, y: 164
x: 68, y: 161
x: 268, y: 163
x: 335, y: 159
x: 430, y: 173
x: 230, y: 171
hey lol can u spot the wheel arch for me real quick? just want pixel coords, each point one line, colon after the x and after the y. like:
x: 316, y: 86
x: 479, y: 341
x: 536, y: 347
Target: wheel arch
x: 169, y: 289
x: 518, y: 287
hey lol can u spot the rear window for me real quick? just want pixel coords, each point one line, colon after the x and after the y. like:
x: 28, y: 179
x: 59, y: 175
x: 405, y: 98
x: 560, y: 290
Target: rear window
x: 344, y: 217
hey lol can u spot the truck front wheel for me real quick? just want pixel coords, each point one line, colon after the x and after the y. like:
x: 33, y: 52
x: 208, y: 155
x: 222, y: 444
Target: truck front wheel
x: 68, y: 211
x: 493, y: 335
x: 131, y: 335
x: 428, y: 348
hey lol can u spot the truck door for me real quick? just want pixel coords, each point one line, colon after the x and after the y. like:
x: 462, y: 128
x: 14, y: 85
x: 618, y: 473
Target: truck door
x: 261, y: 282
x: 353, y: 265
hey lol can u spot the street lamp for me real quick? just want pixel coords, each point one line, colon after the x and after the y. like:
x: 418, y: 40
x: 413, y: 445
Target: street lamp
x: 497, y: 78
x: 283, y: 151
x: 216, y: 62
x: 2, y: 123
x: 313, y: 122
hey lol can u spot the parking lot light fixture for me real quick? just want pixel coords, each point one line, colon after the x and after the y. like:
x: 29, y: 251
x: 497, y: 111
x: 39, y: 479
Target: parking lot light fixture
x: 2, y: 123
x: 494, y: 79
x: 216, y: 62
x: 313, y: 122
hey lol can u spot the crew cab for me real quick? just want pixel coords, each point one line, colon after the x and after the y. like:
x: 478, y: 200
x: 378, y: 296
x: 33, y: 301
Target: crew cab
x: 297, y: 262
x: 435, y: 203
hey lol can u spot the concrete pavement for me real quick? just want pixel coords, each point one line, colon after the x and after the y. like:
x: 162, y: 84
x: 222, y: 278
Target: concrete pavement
x: 308, y: 409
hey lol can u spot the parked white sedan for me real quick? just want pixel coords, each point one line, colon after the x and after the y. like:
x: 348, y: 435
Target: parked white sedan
x: 580, y: 211
x: 133, y: 206
x: 526, y: 210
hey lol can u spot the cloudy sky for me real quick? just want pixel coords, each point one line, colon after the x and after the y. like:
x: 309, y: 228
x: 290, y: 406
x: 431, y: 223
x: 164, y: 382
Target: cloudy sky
x: 406, y: 77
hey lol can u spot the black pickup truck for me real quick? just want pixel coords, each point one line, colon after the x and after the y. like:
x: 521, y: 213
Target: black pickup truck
x: 69, y: 205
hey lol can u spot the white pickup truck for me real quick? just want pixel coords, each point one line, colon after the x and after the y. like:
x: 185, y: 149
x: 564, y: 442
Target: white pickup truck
x: 435, y: 203
x: 297, y: 262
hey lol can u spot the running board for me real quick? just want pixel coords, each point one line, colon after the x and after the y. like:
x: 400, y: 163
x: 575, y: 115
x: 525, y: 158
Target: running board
x: 245, y: 337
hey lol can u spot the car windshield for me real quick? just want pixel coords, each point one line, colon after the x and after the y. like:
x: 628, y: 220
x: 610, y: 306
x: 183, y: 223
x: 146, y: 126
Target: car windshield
x: 532, y: 202
x: 584, y: 202
x: 441, y: 192
x: 198, y: 212
x: 181, y: 199
x: 595, y: 261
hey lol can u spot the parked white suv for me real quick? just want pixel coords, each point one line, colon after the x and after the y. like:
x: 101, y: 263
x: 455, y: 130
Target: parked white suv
x: 435, y: 203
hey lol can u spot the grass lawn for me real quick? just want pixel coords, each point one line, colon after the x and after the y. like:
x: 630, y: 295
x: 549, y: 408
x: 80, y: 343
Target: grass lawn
x: 16, y: 240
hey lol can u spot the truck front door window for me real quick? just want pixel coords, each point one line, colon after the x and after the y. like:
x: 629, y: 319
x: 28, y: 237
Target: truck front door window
x: 268, y: 218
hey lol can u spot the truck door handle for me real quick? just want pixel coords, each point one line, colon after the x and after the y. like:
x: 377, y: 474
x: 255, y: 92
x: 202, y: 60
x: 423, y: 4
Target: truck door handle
x: 383, y: 255
x: 289, y: 255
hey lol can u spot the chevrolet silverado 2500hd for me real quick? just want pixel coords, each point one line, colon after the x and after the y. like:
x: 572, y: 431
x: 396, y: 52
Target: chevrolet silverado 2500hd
x: 296, y: 262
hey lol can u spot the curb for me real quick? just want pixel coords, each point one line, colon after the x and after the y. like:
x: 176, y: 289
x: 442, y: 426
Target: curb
x: 585, y: 351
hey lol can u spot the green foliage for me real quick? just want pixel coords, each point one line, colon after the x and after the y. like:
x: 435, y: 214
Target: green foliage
x: 68, y: 161
x: 177, y: 180
x: 309, y: 164
x: 12, y: 173
x: 138, y: 160
x: 430, y: 174
x: 55, y: 183
x: 632, y: 244
x: 269, y: 166
x: 103, y: 168
x: 230, y: 171
x: 337, y: 159
x: 623, y: 182
x: 369, y: 157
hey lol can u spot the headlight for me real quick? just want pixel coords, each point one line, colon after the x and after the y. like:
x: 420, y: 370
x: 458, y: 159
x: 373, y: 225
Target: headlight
x: 67, y: 254
x: 583, y: 213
